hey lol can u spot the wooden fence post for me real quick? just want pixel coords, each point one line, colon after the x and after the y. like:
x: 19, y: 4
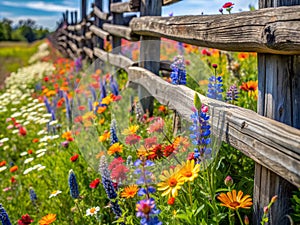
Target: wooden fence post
x: 117, y: 19
x: 149, y: 52
x: 72, y: 18
x: 75, y: 17
x: 98, y: 42
x: 83, y: 9
x: 279, y: 99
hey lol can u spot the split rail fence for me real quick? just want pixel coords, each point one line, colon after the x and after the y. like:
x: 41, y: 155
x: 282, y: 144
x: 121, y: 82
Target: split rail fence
x: 270, y: 137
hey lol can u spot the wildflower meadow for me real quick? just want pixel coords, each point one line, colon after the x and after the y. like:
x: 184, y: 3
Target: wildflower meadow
x: 77, y: 147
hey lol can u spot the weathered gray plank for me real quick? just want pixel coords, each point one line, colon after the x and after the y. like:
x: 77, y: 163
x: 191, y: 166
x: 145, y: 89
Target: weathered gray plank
x: 169, y: 2
x: 274, y: 30
x: 114, y: 59
x: 122, y: 7
x: 117, y: 20
x: 99, y: 32
x: 88, y: 52
x: 101, y: 15
x: 120, y: 31
x: 278, y: 99
x: 272, y: 144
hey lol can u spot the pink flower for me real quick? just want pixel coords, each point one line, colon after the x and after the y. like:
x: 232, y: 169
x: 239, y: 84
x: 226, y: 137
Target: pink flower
x: 132, y: 139
x: 157, y: 125
x: 149, y: 142
x: 119, y: 172
x: 115, y: 163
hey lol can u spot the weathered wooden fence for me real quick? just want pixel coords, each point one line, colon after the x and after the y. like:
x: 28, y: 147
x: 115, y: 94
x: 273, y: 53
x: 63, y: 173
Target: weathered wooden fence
x: 270, y: 137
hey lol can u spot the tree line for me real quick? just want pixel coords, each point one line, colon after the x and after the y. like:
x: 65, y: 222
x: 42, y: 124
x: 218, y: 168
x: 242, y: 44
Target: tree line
x: 24, y: 30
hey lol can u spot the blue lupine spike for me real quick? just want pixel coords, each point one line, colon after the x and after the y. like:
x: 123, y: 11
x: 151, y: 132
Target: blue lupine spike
x: 74, y: 191
x: 103, y: 90
x: 32, y: 195
x: 78, y: 64
x: 114, y: 86
x: 4, y: 216
x: 53, y: 117
x: 232, y: 93
x: 113, y: 132
x: 48, y: 106
x: 106, y: 180
x: 90, y: 104
x: 178, y: 74
x: 68, y: 107
x: 93, y: 92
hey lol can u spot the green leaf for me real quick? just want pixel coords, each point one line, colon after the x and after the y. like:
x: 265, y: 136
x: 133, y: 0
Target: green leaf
x: 197, y: 101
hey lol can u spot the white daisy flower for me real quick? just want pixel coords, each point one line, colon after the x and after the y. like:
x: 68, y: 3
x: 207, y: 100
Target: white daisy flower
x: 92, y: 211
x: 3, y: 168
x: 40, y: 155
x: 28, y: 160
x: 41, y: 150
x: 28, y: 170
x: 54, y: 193
x: 36, y: 166
x: 23, y: 153
x: 41, y: 168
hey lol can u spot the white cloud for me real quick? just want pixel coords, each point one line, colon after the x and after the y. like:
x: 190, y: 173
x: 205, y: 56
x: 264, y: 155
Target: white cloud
x: 49, y: 7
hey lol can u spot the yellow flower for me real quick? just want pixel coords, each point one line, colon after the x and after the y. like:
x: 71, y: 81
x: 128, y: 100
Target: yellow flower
x: 115, y: 148
x: 182, y: 142
x: 130, y: 191
x: 46, y: 220
x: 233, y: 201
x: 104, y: 136
x: 190, y: 171
x: 101, y: 121
x: 131, y: 130
x: 106, y: 100
x: 142, y: 152
x: 101, y: 109
x: 171, y: 182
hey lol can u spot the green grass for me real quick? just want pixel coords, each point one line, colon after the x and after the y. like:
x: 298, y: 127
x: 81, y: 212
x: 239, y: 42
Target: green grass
x: 14, y: 55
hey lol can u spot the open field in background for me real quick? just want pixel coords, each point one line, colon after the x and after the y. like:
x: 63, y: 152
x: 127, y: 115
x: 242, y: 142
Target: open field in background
x: 14, y: 55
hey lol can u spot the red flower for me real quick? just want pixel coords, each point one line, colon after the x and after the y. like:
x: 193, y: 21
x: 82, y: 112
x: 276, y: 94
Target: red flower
x: 25, y: 220
x: 29, y: 151
x: 205, y: 52
x: 46, y: 79
x: 227, y: 5
x: 169, y: 149
x: 35, y: 140
x: 22, y: 131
x: 171, y: 201
x: 94, y: 184
x: 13, y: 169
x: 149, y: 142
x: 13, y: 180
x: 115, y: 163
x: 155, y: 153
x: 191, y: 156
x: 74, y: 158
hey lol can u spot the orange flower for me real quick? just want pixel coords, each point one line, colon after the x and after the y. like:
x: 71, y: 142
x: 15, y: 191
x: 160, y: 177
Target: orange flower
x: 101, y: 109
x: 46, y: 220
x: 243, y: 55
x: 35, y: 140
x: 130, y: 191
x: 234, y: 202
x: 115, y: 148
x: 3, y: 163
x: 13, y: 169
x: 105, y: 136
x: 181, y: 142
x: 249, y: 86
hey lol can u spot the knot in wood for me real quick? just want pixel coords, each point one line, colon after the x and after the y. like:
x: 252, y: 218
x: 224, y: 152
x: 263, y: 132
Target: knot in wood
x: 243, y: 125
x: 269, y: 35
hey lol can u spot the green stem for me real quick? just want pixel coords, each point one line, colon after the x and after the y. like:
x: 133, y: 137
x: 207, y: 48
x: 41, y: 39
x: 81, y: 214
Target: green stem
x: 230, y: 217
x: 240, y: 218
x: 77, y: 206
x: 190, y: 194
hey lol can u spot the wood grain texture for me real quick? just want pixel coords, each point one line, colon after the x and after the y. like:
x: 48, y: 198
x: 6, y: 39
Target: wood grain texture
x: 122, y: 7
x: 98, y: 41
x: 99, y: 32
x: 120, y: 31
x: 169, y: 2
x: 274, y: 30
x: 88, y: 52
x: 272, y: 144
x: 98, y: 13
x: 114, y: 59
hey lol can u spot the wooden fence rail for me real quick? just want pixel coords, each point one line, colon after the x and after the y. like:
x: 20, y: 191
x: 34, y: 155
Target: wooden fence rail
x: 274, y: 33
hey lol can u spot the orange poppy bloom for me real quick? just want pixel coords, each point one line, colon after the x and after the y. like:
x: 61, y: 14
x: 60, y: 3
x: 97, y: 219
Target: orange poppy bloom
x: 115, y: 148
x: 48, y: 219
x: 234, y: 202
x: 130, y: 191
x: 249, y: 86
x: 13, y: 169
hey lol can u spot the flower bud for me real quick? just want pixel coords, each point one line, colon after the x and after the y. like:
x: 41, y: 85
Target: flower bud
x: 274, y: 199
x: 228, y: 181
x: 215, y: 66
x: 246, y: 220
x: 266, y: 210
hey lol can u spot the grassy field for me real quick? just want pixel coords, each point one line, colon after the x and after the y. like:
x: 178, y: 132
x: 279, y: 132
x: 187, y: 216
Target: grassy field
x: 14, y: 55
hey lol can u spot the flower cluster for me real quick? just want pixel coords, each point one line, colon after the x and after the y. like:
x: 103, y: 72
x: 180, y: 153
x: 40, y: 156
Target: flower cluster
x: 178, y: 74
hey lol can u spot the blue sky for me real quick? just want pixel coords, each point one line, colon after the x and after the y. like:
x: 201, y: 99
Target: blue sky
x: 47, y: 13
